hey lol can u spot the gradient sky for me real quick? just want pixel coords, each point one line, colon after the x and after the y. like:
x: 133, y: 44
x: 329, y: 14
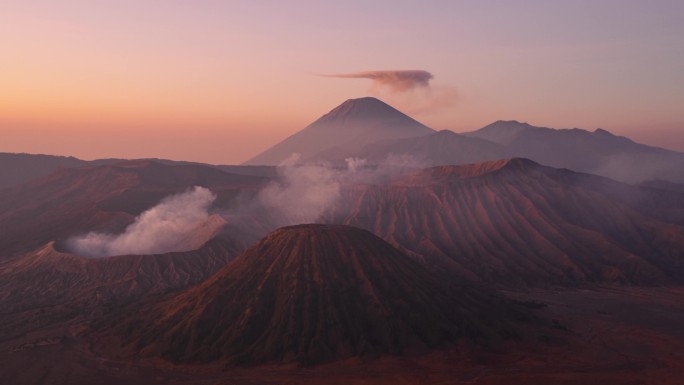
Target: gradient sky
x: 219, y: 81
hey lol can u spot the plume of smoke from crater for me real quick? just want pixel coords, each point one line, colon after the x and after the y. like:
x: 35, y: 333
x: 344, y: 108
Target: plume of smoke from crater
x: 157, y: 230
x: 304, y: 191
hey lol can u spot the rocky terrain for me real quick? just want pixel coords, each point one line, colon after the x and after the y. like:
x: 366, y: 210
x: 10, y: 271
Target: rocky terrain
x: 312, y: 294
x: 514, y: 222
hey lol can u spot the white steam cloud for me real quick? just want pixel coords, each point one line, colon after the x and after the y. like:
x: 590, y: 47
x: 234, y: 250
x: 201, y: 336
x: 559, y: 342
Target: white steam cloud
x: 303, y: 192
x: 161, y: 229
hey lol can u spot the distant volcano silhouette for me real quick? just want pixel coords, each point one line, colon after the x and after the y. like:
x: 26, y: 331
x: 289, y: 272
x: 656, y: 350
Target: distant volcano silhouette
x: 348, y: 127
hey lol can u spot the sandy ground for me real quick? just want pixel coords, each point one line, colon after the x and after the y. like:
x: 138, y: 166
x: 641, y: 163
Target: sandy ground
x: 606, y: 335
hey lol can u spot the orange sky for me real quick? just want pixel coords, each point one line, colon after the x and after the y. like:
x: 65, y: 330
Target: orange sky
x: 218, y: 82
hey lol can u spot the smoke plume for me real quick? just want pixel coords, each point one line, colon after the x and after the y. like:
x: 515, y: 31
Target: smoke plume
x: 412, y: 89
x: 157, y: 230
x: 304, y: 191
x: 395, y: 81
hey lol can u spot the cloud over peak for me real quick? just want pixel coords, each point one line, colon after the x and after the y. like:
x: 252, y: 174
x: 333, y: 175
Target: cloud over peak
x: 394, y: 80
x: 410, y: 89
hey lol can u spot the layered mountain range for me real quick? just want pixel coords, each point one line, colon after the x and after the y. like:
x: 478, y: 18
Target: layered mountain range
x: 596, y: 152
x: 517, y: 222
x: 403, y: 264
x: 370, y: 129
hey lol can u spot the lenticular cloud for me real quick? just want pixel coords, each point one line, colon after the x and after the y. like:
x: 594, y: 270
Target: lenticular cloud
x: 396, y: 81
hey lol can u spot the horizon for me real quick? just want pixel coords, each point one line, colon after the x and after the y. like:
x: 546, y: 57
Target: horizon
x: 322, y: 115
x: 219, y: 83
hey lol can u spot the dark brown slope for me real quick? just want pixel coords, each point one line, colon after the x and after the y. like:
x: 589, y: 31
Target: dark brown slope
x: 48, y: 286
x: 517, y: 222
x: 20, y: 168
x: 101, y: 198
x: 313, y: 293
x: 343, y: 131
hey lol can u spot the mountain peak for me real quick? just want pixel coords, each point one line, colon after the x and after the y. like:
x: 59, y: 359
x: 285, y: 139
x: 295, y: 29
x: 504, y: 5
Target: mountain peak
x: 366, y: 108
x: 601, y: 131
x: 345, y: 130
x: 502, y: 131
x: 508, y: 125
x: 365, y: 100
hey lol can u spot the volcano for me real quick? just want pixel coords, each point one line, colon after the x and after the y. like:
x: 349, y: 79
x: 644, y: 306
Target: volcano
x: 516, y: 222
x: 102, y: 198
x: 344, y: 130
x: 49, y: 285
x: 311, y: 294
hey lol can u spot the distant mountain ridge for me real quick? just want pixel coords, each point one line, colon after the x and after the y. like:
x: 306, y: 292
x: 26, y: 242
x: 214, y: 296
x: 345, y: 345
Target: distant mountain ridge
x: 16, y: 169
x: 20, y: 168
x: 598, y: 152
x: 370, y: 129
x: 439, y: 148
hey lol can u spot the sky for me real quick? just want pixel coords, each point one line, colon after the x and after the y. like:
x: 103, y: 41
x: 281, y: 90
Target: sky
x: 220, y: 81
